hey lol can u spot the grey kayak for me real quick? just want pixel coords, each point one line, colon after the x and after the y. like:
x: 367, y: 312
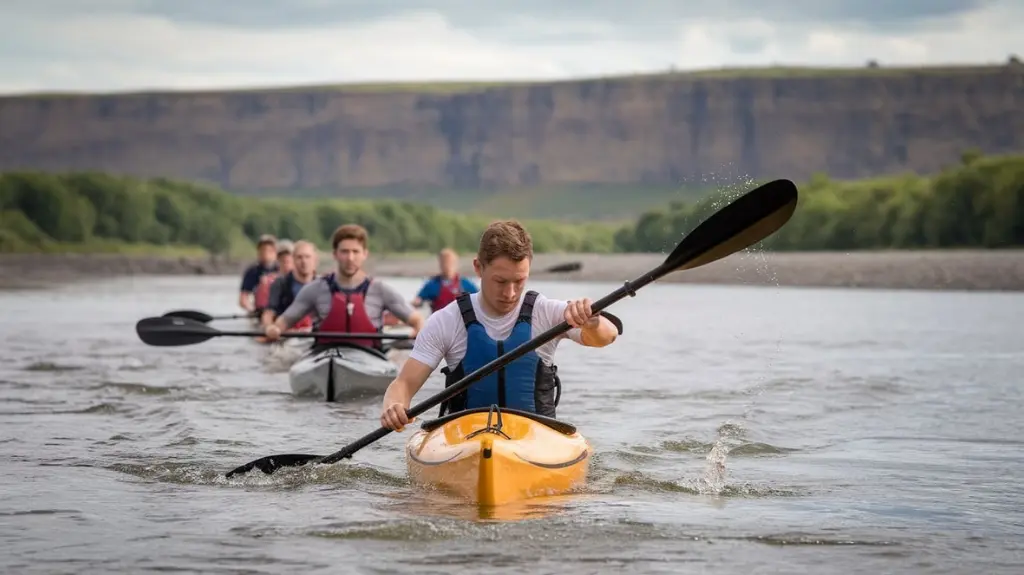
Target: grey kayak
x: 342, y: 372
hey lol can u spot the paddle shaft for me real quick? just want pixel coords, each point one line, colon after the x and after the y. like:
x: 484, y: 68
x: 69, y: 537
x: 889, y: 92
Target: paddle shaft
x: 629, y: 288
x: 251, y: 314
x: 324, y: 334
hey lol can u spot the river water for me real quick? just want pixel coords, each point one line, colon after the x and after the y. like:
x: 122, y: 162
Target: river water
x: 737, y: 430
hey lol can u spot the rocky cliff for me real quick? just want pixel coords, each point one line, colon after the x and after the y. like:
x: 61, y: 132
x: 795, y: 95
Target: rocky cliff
x: 639, y: 130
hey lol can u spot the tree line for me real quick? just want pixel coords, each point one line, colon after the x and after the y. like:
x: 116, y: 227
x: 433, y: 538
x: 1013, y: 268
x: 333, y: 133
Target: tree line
x: 978, y: 203
x: 45, y: 211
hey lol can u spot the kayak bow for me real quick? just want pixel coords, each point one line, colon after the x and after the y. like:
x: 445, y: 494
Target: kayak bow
x: 493, y: 456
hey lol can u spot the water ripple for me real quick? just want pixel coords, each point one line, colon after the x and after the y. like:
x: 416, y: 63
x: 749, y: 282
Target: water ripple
x: 824, y: 431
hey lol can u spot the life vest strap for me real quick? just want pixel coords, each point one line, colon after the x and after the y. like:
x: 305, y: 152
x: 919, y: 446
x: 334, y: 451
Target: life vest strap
x: 332, y: 284
x: 469, y: 314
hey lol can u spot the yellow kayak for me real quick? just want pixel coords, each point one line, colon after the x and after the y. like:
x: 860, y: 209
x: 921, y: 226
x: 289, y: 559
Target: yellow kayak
x: 494, y: 457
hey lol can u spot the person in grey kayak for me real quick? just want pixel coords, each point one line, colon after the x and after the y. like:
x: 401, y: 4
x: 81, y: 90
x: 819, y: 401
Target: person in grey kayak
x: 483, y: 325
x: 302, y: 270
x: 347, y: 300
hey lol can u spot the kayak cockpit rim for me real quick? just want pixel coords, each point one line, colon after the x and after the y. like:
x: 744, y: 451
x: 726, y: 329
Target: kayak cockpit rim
x: 560, y: 426
x: 340, y: 346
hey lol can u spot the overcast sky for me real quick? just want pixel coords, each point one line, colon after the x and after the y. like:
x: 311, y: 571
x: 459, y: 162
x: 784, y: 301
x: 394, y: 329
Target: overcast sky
x: 114, y: 45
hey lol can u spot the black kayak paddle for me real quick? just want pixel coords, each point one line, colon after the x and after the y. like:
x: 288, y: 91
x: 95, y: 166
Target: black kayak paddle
x: 742, y: 223
x: 175, y: 331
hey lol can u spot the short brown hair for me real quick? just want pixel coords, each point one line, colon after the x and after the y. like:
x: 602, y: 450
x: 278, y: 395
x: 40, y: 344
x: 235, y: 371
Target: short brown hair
x: 266, y: 239
x: 505, y: 238
x: 349, y: 232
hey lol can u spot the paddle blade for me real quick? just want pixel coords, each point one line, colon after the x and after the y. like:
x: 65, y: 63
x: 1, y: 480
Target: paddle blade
x: 172, y: 331
x: 744, y: 222
x: 190, y: 314
x: 615, y: 321
x: 272, y: 463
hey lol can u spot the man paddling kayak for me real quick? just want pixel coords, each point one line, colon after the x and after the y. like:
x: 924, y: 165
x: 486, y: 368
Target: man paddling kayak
x: 266, y: 252
x: 304, y: 260
x: 483, y: 325
x: 445, y: 287
x: 347, y: 300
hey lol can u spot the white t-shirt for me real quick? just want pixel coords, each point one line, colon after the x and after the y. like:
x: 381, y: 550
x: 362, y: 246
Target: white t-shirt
x: 444, y: 334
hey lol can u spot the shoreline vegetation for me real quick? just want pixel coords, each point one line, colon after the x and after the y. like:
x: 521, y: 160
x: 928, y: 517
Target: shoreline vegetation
x: 976, y: 204
x: 843, y: 232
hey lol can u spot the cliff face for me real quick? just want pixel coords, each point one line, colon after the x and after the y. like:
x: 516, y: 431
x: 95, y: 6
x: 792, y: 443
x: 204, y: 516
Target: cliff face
x: 653, y: 130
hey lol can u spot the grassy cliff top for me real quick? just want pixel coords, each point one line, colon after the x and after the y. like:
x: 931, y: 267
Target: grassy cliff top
x: 451, y: 87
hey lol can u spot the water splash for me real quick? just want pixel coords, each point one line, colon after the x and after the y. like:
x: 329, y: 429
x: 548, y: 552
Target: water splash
x: 342, y: 476
x: 280, y: 357
x: 715, y: 473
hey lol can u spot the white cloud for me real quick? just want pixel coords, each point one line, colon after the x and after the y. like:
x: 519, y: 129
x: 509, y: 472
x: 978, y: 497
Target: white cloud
x: 122, y: 49
x: 985, y: 35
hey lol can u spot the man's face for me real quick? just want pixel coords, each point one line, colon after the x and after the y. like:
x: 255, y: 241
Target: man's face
x: 350, y: 255
x: 449, y: 264
x: 266, y: 254
x: 305, y: 260
x: 502, y: 282
x: 284, y: 262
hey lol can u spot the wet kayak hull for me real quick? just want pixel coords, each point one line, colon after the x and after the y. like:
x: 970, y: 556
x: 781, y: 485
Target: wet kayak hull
x: 505, y: 460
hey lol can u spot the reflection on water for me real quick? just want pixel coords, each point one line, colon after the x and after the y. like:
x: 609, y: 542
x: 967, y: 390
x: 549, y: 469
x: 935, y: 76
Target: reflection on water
x: 735, y: 430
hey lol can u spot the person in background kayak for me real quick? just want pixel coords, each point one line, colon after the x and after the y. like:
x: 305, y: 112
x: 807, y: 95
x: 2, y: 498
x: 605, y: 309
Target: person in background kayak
x: 484, y: 325
x: 299, y: 270
x: 261, y: 295
x: 347, y: 300
x: 266, y: 252
x: 285, y: 257
x: 443, y: 288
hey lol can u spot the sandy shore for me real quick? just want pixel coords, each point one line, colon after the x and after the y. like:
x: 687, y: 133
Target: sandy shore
x: 931, y: 270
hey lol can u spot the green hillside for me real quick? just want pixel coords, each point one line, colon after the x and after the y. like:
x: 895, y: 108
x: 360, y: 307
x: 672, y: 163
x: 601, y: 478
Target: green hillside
x: 978, y: 203
x: 88, y: 211
x: 597, y: 202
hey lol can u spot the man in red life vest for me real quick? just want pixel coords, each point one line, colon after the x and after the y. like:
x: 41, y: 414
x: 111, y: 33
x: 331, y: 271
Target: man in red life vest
x: 266, y: 250
x: 285, y: 265
x: 347, y: 300
x: 299, y: 270
x: 445, y: 287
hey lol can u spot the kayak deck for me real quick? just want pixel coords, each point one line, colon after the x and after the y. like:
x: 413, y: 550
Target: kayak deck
x: 493, y: 456
x: 341, y: 372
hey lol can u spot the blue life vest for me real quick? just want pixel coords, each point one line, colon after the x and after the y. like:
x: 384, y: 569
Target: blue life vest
x: 526, y: 384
